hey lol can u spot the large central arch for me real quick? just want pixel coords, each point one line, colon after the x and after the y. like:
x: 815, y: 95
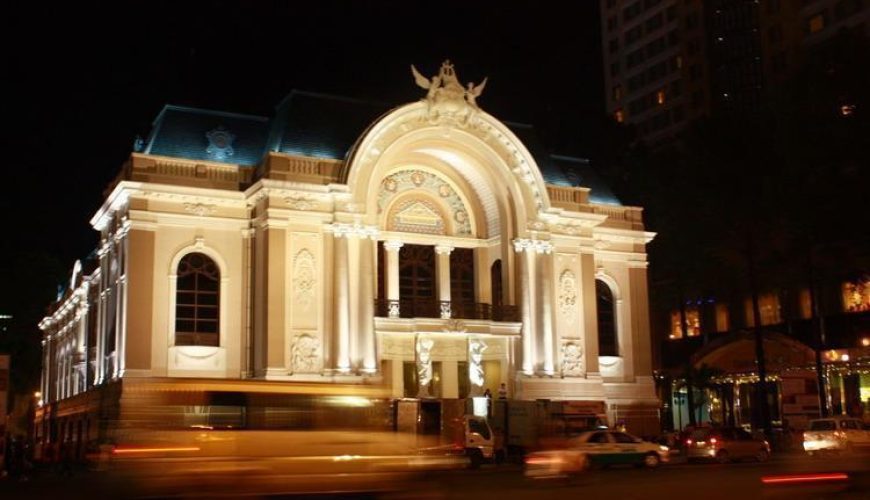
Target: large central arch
x: 482, y: 151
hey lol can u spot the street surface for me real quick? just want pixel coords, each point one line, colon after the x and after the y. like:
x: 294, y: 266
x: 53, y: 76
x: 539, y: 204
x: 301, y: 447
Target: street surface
x: 742, y: 481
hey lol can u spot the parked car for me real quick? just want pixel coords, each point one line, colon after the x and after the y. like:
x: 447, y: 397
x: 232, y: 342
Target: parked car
x: 725, y: 444
x: 835, y: 434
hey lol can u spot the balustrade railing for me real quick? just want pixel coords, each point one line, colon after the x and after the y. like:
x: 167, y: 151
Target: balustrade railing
x: 434, y: 308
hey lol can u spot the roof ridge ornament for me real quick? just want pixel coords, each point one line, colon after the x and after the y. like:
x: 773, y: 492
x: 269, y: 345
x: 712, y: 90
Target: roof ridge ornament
x: 448, y: 102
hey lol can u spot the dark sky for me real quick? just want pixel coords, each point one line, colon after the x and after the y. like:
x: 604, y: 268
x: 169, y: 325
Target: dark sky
x: 81, y: 81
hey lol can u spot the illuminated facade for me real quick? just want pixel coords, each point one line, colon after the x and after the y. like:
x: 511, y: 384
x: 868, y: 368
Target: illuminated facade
x: 426, y: 249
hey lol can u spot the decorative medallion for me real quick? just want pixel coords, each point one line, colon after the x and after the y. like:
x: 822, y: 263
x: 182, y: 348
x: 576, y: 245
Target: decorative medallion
x: 304, y: 278
x: 220, y: 144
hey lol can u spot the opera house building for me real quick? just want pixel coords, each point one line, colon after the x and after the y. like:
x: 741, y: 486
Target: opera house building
x: 342, y: 251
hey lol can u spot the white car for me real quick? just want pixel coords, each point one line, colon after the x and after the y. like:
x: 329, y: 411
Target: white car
x: 599, y: 447
x: 835, y: 434
x: 606, y: 447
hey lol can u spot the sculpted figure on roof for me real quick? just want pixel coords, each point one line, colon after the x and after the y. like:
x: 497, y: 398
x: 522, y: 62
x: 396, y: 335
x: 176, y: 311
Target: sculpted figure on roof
x: 448, y: 101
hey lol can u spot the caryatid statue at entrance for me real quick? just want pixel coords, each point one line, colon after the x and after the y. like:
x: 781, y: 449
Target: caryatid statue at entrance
x: 424, y: 366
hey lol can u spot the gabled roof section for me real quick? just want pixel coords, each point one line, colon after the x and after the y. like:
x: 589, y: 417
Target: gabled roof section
x: 200, y: 134
x: 321, y: 125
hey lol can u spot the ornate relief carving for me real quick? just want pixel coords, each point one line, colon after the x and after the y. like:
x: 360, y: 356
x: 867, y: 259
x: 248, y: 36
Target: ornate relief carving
x: 305, y: 354
x: 199, y: 209
x: 455, y: 326
x: 568, y: 295
x: 355, y: 230
x: 416, y: 216
x: 304, y: 278
x: 300, y: 201
x: 406, y: 180
x: 572, y: 359
x: 532, y: 245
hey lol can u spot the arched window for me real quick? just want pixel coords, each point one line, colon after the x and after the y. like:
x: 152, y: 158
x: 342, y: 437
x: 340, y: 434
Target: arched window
x: 197, y: 301
x: 607, y: 342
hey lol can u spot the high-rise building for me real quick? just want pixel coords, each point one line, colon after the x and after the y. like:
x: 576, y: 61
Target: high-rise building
x: 667, y: 62
x: 654, y: 67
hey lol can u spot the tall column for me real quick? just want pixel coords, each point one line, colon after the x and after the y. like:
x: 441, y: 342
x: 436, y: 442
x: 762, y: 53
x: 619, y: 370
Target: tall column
x: 121, y: 303
x: 526, y: 270
x: 366, y: 312
x: 442, y: 270
x: 101, y: 317
x: 547, y: 310
x: 392, y: 248
x: 353, y: 282
x: 354, y: 291
x: 342, y: 306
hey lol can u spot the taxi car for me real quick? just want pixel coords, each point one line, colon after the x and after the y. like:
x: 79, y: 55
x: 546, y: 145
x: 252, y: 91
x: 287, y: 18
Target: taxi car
x: 609, y: 447
x: 601, y: 447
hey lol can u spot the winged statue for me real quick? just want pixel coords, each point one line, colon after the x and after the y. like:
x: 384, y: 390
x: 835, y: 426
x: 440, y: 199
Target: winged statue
x: 473, y: 92
x: 425, y: 83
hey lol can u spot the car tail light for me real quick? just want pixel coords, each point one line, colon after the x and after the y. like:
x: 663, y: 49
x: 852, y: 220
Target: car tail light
x: 688, y: 442
x: 713, y: 441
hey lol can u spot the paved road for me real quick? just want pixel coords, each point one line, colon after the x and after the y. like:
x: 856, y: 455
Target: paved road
x: 696, y: 481
x: 740, y: 481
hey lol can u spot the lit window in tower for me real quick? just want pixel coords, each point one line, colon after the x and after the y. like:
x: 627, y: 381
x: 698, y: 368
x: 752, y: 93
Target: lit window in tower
x: 693, y: 323
x: 856, y: 295
x: 660, y: 97
x: 619, y: 116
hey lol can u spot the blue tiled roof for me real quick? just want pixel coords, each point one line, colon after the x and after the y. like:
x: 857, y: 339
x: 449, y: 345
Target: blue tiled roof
x: 321, y: 126
x: 579, y: 172
x: 199, y: 134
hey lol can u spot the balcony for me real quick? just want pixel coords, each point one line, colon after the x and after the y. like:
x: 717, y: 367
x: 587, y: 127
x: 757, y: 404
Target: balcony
x: 459, y: 310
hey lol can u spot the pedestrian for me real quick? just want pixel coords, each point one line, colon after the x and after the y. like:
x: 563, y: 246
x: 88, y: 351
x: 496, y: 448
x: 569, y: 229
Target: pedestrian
x: 502, y: 391
x: 487, y: 393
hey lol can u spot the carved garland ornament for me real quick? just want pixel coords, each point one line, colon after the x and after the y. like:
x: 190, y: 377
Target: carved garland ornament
x: 304, y: 278
x: 568, y: 295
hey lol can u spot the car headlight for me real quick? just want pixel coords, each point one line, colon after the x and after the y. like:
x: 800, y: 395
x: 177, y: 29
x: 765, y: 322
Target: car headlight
x: 663, y: 448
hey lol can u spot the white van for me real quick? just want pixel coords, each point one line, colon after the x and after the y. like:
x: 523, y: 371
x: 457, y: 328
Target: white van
x: 835, y: 434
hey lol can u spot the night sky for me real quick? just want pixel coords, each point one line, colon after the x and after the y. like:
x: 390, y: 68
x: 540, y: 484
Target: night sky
x: 82, y: 81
